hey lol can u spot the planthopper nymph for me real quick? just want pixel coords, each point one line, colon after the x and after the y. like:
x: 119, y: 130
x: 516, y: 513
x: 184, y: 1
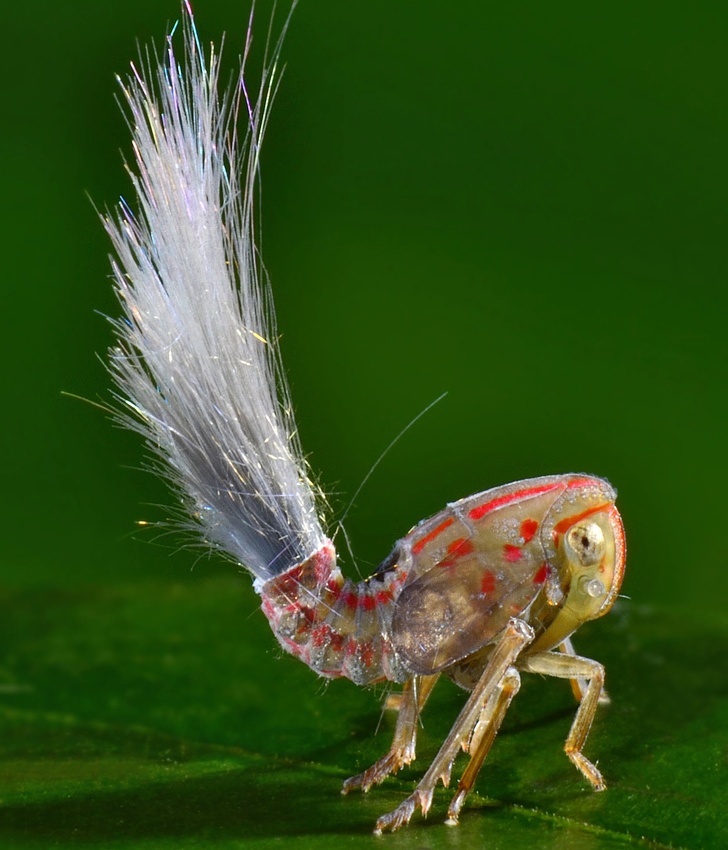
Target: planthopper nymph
x: 492, y: 586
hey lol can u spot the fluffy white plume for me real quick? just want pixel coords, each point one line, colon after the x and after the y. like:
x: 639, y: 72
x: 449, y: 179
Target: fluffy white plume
x: 197, y: 363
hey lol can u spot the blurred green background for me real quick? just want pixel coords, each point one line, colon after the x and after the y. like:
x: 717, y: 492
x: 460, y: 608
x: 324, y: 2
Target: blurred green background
x: 521, y: 204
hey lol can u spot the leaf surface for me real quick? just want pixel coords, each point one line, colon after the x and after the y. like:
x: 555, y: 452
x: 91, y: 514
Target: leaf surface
x: 156, y: 716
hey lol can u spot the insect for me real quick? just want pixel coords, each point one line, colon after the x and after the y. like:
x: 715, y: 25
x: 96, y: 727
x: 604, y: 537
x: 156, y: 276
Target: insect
x: 491, y: 586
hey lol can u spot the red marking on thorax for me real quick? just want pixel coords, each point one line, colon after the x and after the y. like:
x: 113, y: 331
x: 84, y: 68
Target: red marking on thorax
x: 482, y: 510
x: 422, y: 542
x: 529, y: 527
x: 566, y: 523
x: 461, y: 546
x: 541, y: 574
x: 456, y: 550
x: 512, y: 553
x: 488, y: 582
x: 580, y: 482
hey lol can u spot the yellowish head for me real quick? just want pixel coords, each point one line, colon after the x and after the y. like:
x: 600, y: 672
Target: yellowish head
x: 587, y: 549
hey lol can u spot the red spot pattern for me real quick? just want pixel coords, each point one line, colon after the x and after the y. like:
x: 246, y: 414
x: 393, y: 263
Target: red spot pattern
x: 423, y: 541
x: 529, y: 527
x: 541, y: 574
x: 320, y: 636
x: 299, y: 603
x: 288, y: 583
x: 333, y: 586
x: 482, y: 510
x: 365, y: 601
x: 488, y: 582
x: 366, y: 651
x: 368, y: 603
x: 461, y: 546
x: 512, y: 553
x: 336, y: 640
x: 351, y: 600
x: 457, y: 549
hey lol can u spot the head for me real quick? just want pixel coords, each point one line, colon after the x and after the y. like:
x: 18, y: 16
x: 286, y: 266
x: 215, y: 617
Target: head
x: 583, y: 539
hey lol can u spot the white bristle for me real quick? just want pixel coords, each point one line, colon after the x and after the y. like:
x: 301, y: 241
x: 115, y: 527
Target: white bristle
x: 197, y: 363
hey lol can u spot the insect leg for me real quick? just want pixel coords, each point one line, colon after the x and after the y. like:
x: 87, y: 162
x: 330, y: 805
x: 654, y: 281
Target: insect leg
x: 579, y: 685
x: 515, y: 636
x: 482, y: 738
x: 413, y: 698
x: 575, y: 667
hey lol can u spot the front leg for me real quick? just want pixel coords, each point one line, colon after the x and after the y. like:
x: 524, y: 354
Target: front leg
x: 579, y: 686
x: 412, y: 700
x: 575, y: 668
x: 482, y: 739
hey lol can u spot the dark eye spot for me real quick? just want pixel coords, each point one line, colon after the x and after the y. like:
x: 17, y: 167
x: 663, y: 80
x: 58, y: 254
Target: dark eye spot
x: 586, y: 542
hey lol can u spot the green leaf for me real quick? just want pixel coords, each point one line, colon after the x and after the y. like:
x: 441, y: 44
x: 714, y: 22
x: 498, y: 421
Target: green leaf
x: 155, y: 716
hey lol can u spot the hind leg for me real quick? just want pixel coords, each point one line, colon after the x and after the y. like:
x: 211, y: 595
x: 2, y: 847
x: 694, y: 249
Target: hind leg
x: 413, y: 698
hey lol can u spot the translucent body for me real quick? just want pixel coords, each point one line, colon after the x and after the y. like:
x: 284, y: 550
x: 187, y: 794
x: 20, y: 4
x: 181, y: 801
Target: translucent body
x: 484, y: 589
x: 450, y: 586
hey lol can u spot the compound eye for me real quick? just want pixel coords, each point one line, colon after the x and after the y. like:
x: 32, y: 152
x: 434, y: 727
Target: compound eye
x: 586, y: 543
